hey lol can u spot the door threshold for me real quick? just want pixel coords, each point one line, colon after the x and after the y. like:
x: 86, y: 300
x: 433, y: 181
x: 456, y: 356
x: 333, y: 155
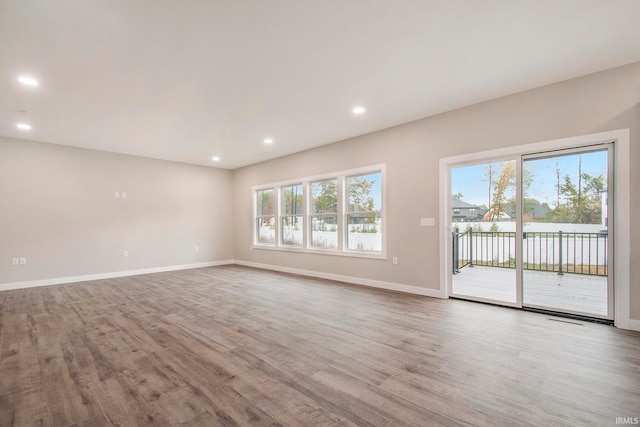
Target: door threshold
x: 580, y: 317
x: 545, y: 312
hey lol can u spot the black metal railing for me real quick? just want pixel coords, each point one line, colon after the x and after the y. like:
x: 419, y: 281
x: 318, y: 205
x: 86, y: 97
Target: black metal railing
x: 461, y: 252
x: 560, y: 252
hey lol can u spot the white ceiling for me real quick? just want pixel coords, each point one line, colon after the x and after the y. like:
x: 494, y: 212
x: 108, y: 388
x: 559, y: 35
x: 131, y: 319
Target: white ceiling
x: 188, y: 80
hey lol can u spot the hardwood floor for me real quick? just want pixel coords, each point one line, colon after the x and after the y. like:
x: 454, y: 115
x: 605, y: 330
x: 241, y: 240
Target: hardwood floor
x: 238, y: 346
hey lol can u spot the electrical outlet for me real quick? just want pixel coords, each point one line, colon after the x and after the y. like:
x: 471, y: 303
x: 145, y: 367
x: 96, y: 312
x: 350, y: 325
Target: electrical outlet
x: 124, y: 195
x: 15, y: 261
x: 395, y: 260
x: 23, y: 261
x: 197, y: 248
x: 125, y: 254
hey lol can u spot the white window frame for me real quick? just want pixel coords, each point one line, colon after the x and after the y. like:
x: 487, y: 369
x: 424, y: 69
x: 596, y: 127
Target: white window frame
x: 346, y: 212
x: 336, y: 214
x: 341, y: 250
x: 256, y: 216
x: 281, y: 215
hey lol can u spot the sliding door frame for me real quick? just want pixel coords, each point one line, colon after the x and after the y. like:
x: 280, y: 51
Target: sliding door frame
x: 517, y: 163
x: 609, y: 147
x: 620, y: 221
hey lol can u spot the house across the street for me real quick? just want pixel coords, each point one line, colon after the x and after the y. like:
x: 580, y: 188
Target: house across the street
x: 466, y: 212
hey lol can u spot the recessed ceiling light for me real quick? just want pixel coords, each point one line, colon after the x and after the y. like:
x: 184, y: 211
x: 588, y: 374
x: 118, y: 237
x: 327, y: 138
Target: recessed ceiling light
x: 23, y: 126
x: 268, y: 141
x: 215, y: 158
x: 358, y: 110
x: 28, y: 81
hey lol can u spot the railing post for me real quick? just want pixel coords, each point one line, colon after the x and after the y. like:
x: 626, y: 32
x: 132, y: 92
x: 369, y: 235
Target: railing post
x: 525, y: 251
x: 456, y: 255
x: 560, y: 273
x: 471, y: 247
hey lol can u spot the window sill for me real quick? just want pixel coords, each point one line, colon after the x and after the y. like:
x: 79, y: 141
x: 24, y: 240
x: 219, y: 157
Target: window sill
x: 332, y: 252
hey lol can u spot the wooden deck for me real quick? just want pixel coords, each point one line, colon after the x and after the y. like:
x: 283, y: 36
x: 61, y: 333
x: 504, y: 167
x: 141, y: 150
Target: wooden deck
x: 574, y: 293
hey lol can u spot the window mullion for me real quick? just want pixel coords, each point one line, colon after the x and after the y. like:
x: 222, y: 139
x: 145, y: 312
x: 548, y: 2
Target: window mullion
x: 278, y: 214
x: 342, y: 214
x: 306, y: 218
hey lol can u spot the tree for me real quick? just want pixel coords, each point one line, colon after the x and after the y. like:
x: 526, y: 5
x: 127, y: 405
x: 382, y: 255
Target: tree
x: 591, y: 199
x: 325, y: 201
x: 502, y: 187
x: 566, y: 201
x: 360, y: 194
x: 360, y: 198
x: 534, y: 211
x: 457, y: 196
x: 580, y: 204
x: 489, y: 176
x: 580, y: 189
x: 529, y: 204
x: 266, y: 202
x: 570, y: 194
x: 292, y: 200
x: 325, y: 196
x: 557, y: 184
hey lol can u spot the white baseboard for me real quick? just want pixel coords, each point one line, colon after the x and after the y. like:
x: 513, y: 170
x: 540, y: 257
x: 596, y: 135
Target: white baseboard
x: 435, y: 293
x: 633, y: 325
x: 87, y: 277
x: 321, y: 275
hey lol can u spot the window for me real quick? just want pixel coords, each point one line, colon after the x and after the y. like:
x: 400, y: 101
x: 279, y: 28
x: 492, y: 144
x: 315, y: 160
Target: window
x: 265, y: 217
x: 456, y: 211
x: 340, y: 213
x: 324, y: 217
x: 291, y: 224
x: 364, y: 216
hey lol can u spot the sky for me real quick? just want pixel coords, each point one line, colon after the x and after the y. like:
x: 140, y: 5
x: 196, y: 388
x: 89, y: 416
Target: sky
x: 471, y: 181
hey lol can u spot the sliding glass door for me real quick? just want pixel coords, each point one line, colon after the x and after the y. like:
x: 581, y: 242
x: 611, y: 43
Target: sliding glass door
x: 534, y: 232
x: 565, y: 239
x: 483, y: 232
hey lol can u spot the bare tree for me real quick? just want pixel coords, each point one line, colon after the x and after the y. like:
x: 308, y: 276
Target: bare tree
x: 489, y: 175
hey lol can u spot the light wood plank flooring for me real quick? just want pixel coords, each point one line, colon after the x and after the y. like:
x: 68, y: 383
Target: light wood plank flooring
x: 238, y: 346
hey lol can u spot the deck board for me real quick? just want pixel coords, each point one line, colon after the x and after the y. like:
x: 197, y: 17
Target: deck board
x: 575, y: 293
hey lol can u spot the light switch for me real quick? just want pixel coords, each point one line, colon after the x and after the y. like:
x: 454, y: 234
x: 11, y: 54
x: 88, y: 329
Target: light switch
x: 117, y: 195
x: 427, y: 222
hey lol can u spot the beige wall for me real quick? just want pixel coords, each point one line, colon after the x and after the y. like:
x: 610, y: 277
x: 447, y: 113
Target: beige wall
x: 58, y: 207
x: 595, y: 103
x: 59, y: 211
